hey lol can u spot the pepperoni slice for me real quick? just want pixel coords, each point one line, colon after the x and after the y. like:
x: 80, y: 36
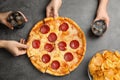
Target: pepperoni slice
x: 55, y: 65
x: 36, y: 44
x: 62, y: 46
x: 46, y: 58
x: 48, y: 47
x: 63, y: 27
x: 44, y: 29
x: 68, y: 56
x: 52, y: 37
x: 74, y: 44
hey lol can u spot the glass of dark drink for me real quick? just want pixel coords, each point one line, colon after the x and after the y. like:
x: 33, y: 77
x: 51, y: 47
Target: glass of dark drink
x: 16, y: 19
x: 99, y: 27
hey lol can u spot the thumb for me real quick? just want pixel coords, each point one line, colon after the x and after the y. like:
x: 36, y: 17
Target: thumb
x: 22, y: 52
x: 55, y: 13
x: 96, y: 19
x: 107, y: 22
x: 47, y: 12
x: 23, y: 16
x: 22, y: 46
x: 8, y: 24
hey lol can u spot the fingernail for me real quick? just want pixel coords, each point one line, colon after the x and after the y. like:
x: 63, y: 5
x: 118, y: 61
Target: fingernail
x: 12, y: 28
x: 26, y: 19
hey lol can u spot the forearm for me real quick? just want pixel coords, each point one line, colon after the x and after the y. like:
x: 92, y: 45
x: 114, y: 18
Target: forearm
x: 0, y: 17
x: 102, y: 12
x: 103, y: 4
x: 2, y: 43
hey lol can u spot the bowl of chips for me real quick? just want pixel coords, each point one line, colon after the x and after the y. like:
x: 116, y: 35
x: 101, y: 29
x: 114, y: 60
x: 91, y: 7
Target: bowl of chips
x: 105, y: 65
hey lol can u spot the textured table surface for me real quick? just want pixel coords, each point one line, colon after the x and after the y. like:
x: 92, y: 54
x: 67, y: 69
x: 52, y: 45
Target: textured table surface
x: 81, y: 11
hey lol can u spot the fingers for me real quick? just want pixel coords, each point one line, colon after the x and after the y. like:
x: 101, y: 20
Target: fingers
x: 96, y: 19
x: 51, y: 12
x: 23, y: 16
x: 48, y: 12
x: 21, y: 48
x: 55, y: 13
x: 107, y: 22
x: 21, y: 52
x: 22, y: 44
x: 4, y: 17
x: 22, y: 41
x: 8, y: 24
x: 9, y: 12
x: 105, y: 19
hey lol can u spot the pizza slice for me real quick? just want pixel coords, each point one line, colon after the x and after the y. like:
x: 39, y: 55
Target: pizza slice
x: 72, y: 59
x: 34, y: 45
x: 41, y: 60
x: 58, y: 66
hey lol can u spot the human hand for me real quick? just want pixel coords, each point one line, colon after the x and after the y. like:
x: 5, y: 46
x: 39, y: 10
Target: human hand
x: 53, y: 8
x: 15, y: 47
x: 4, y: 16
x: 3, y: 19
x: 102, y: 15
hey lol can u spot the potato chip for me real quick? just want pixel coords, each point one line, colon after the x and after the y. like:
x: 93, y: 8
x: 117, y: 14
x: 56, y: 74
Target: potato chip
x: 105, y: 65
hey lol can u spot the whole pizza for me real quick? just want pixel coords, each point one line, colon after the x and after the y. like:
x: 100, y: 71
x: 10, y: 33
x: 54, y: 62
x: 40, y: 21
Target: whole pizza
x: 56, y: 46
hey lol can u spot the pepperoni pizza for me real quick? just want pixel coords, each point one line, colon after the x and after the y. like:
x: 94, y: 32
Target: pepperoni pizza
x: 56, y: 46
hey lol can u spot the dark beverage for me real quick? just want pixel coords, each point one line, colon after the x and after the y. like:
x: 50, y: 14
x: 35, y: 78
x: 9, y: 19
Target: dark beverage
x: 98, y: 28
x: 16, y: 19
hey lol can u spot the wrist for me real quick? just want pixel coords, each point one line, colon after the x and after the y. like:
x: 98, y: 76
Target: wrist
x: 2, y: 43
x: 0, y: 17
x: 101, y: 10
x: 103, y: 4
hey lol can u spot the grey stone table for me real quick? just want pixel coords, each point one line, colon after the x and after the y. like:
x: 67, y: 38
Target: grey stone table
x: 81, y: 11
